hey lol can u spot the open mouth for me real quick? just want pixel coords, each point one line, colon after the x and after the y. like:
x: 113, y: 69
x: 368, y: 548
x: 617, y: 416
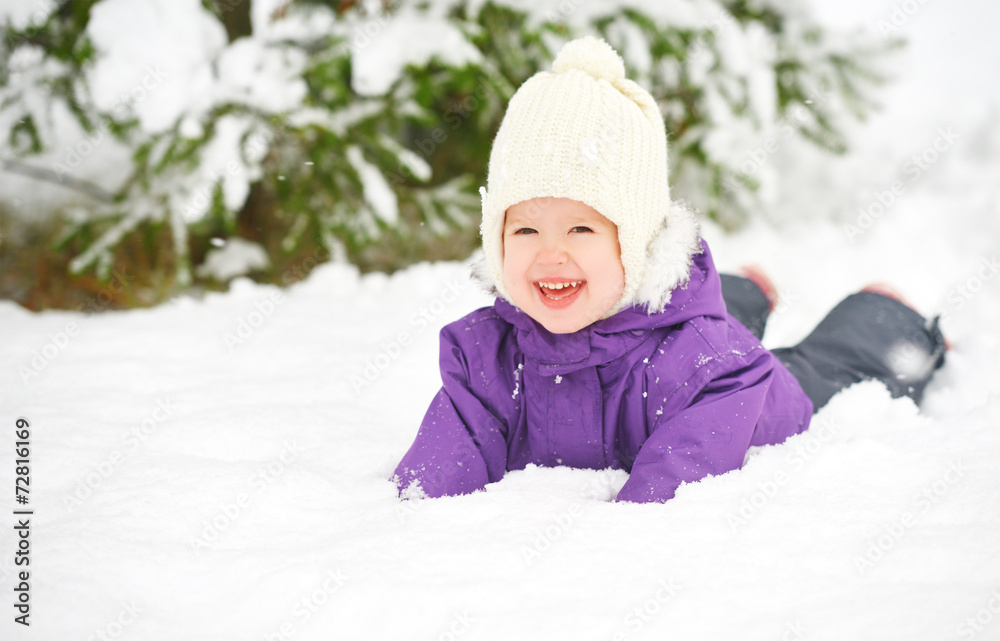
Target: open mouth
x: 558, y: 294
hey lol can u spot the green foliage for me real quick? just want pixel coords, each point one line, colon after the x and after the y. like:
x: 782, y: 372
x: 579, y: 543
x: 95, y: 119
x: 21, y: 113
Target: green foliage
x: 385, y: 180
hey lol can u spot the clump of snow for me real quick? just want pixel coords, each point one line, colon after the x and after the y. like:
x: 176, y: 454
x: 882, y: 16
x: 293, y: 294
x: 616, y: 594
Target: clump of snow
x: 378, y: 193
x: 27, y: 12
x: 222, y: 163
x: 236, y: 257
x: 265, y: 76
x: 174, y: 62
x: 413, y: 491
x: 383, y: 45
x: 157, y: 55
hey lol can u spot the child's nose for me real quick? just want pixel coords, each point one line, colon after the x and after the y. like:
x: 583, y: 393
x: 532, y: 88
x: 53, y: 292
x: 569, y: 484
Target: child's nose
x: 553, y: 253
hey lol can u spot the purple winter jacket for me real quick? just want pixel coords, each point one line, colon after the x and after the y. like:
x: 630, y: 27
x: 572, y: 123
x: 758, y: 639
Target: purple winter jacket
x: 670, y: 397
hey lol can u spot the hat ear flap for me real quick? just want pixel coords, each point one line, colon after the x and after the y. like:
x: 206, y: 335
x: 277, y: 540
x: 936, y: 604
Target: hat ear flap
x: 668, y: 257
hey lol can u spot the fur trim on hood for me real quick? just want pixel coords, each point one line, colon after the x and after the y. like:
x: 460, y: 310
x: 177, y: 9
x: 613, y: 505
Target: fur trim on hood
x: 667, y: 265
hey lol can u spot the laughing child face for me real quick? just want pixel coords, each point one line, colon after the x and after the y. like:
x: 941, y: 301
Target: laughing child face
x: 561, y: 262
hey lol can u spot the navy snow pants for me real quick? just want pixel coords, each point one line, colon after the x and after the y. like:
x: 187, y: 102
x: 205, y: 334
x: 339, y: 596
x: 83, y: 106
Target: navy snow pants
x: 865, y: 336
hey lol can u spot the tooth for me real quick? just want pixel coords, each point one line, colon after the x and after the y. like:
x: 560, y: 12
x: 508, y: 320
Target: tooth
x: 558, y: 286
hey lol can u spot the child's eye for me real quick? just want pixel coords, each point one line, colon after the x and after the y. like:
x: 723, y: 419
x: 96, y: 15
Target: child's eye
x: 525, y: 230
x: 582, y: 229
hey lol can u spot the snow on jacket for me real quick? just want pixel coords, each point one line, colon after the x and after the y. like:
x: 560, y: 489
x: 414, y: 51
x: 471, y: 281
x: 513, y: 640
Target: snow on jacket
x: 671, y: 396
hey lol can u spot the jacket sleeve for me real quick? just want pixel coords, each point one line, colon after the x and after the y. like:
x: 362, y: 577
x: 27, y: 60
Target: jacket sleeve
x: 460, y: 445
x: 708, y: 436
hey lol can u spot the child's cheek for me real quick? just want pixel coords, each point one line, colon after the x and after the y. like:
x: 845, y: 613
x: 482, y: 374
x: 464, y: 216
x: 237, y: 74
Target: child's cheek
x: 507, y: 267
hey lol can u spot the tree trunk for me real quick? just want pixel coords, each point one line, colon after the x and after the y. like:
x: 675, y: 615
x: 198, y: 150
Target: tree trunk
x: 235, y: 16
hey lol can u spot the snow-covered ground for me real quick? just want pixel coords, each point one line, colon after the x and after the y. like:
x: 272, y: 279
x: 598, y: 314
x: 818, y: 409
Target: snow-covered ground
x: 217, y: 469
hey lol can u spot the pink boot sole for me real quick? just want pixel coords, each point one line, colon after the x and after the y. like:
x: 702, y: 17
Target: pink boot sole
x: 758, y: 277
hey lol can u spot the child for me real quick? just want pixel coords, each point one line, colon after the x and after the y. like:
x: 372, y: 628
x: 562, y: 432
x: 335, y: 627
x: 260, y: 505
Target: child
x: 613, y: 341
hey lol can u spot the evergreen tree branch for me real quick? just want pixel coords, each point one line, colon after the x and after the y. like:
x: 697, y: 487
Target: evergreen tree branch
x: 47, y: 175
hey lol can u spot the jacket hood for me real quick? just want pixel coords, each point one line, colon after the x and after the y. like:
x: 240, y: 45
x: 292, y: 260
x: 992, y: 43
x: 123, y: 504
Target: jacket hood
x: 699, y: 293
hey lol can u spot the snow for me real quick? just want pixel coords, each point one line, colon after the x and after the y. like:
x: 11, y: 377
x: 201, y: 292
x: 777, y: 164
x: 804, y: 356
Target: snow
x: 222, y: 163
x: 378, y: 193
x: 382, y: 46
x: 247, y: 60
x: 161, y: 64
x: 234, y: 258
x: 212, y: 469
x: 174, y: 62
x: 170, y: 66
x: 210, y: 463
x: 582, y: 13
x: 27, y: 12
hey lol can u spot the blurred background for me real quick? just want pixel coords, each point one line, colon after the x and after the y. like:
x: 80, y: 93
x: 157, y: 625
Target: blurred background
x: 154, y: 148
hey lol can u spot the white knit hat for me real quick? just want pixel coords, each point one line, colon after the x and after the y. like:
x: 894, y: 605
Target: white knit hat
x: 582, y: 131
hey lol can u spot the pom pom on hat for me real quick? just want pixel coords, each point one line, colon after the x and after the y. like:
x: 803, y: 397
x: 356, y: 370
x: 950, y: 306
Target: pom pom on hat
x: 593, y: 56
x: 595, y: 137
